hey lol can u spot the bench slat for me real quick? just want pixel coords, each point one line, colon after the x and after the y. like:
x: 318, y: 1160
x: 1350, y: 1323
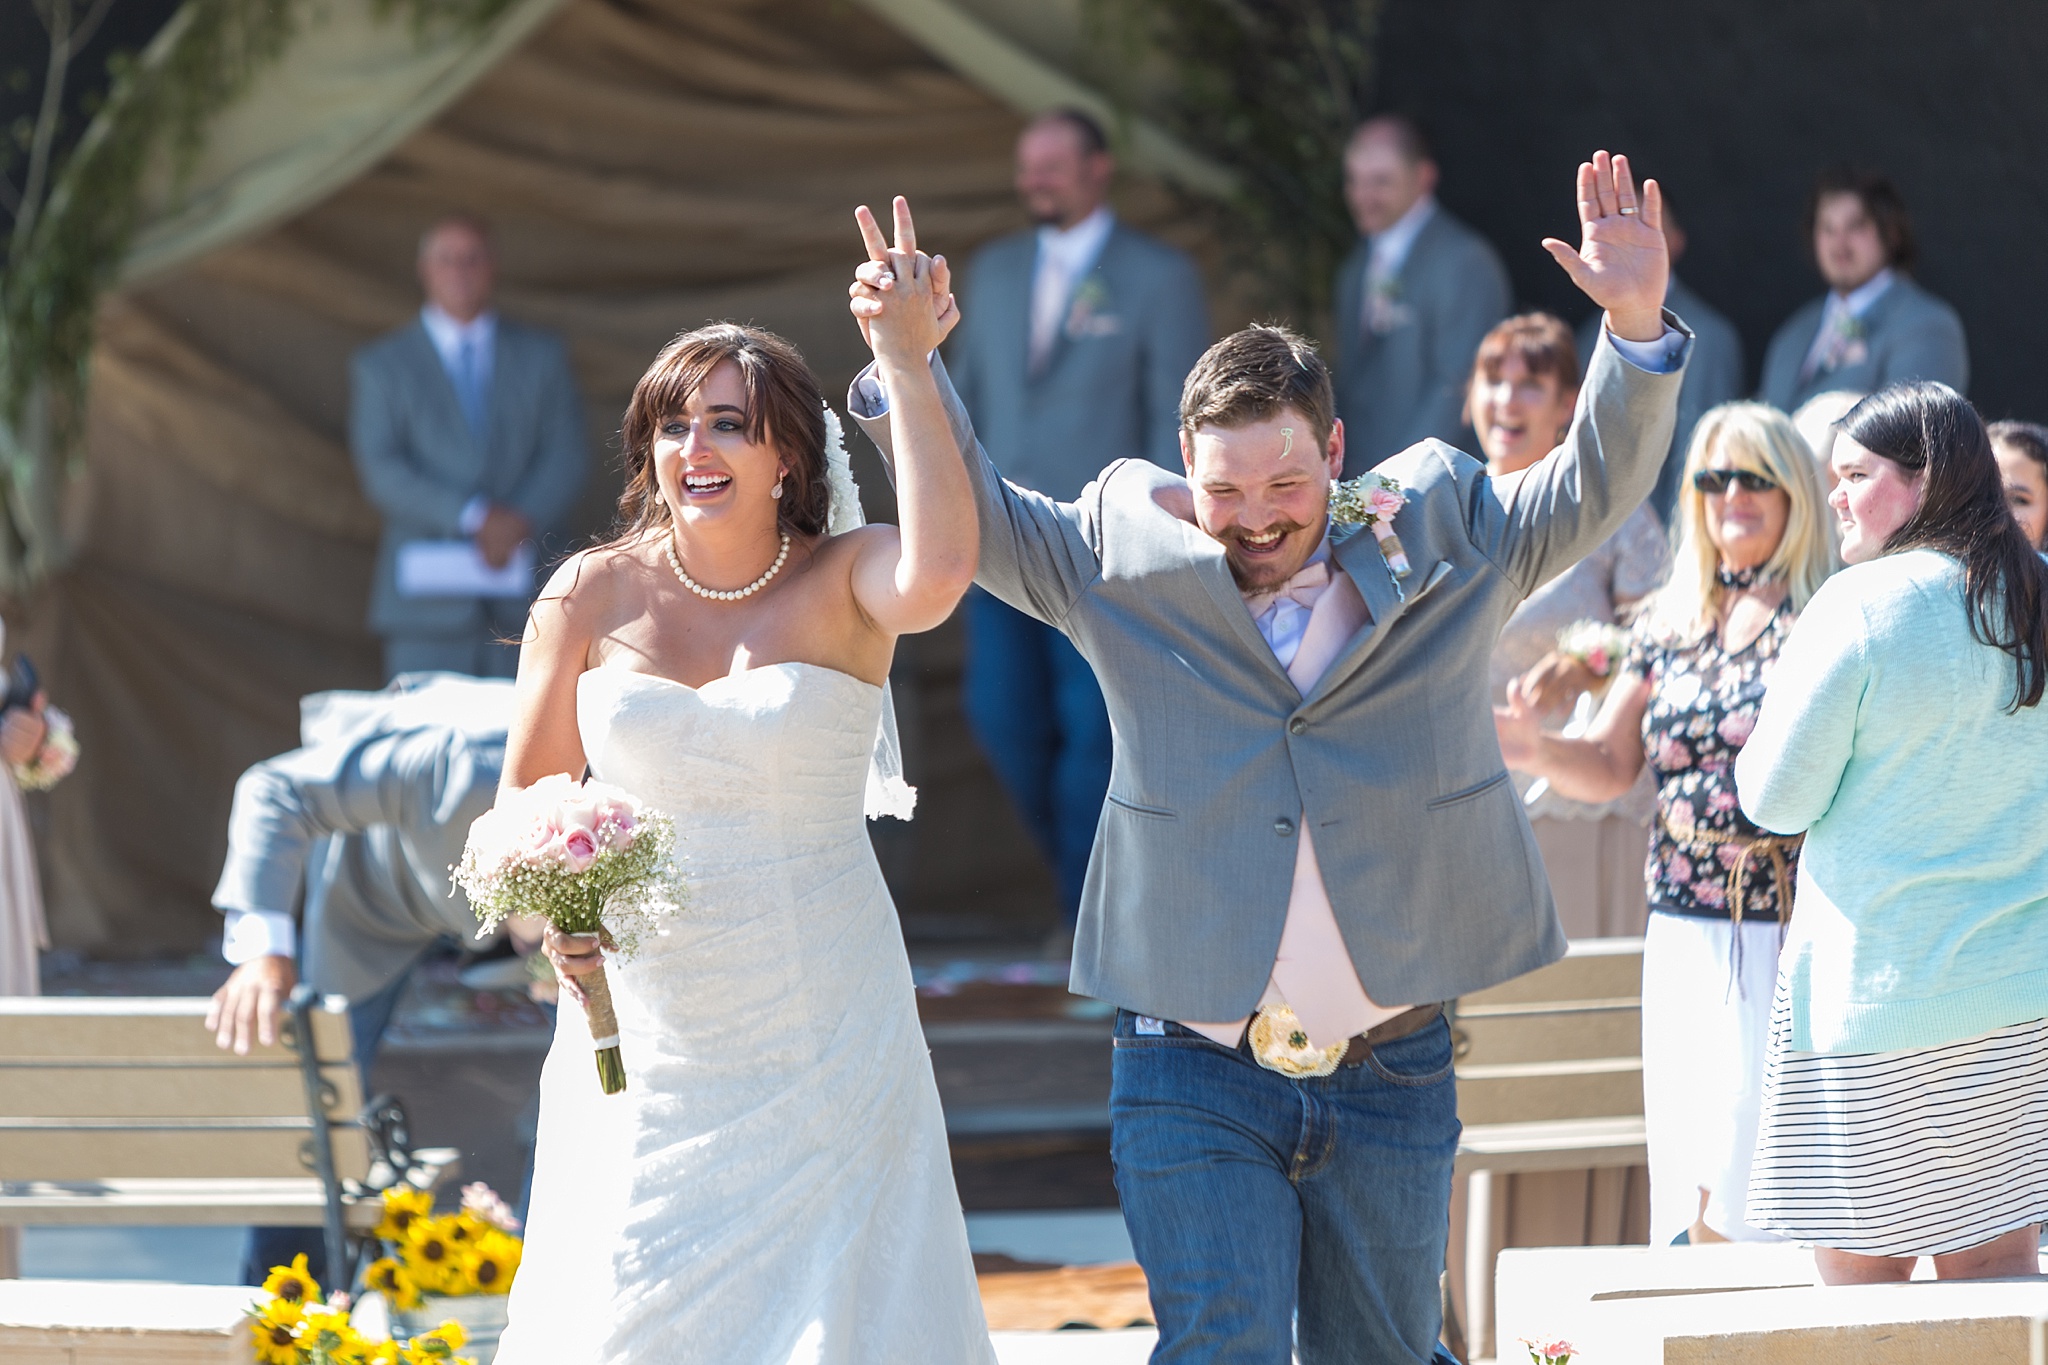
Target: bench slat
x: 1566, y: 1035
x: 231, y: 1203
x: 138, y: 1026
x: 168, y: 1091
x: 1563, y: 1145
x: 1594, y: 969
x: 1540, y: 1091
x: 45, y: 1152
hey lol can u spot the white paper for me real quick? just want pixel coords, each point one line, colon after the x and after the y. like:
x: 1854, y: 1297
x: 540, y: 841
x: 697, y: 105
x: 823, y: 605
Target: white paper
x: 456, y: 568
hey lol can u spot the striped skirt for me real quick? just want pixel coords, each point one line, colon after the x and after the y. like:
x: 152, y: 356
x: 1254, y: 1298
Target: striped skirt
x: 1910, y: 1153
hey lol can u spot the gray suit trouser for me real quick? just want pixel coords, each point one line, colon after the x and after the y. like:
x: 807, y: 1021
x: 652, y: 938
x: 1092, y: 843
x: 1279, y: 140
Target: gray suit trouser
x: 480, y: 650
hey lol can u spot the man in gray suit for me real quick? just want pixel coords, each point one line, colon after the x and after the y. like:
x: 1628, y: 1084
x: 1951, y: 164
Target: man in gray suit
x: 1414, y: 299
x: 1874, y: 326
x: 353, y: 833
x: 1075, y: 339
x: 1310, y: 840
x: 468, y: 436
x: 1713, y: 375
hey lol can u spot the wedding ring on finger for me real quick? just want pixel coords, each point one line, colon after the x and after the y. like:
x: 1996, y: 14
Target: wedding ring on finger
x: 1627, y: 210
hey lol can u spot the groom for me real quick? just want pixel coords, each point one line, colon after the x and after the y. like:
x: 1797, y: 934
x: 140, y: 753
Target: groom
x: 1310, y: 839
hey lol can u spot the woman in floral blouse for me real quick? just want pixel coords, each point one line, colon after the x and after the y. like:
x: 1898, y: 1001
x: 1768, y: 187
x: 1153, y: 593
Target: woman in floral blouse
x: 1755, y: 542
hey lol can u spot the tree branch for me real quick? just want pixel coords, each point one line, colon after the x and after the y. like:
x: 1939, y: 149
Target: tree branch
x: 45, y: 137
x: 90, y: 25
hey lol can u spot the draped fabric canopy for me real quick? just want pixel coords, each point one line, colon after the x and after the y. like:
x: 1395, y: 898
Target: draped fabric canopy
x: 649, y: 165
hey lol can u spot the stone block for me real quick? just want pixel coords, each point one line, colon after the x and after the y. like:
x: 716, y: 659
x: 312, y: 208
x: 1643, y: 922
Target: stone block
x: 83, y: 1322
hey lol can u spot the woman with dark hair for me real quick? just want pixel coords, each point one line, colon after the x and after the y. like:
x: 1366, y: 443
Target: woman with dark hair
x: 774, y: 1184
x: 1906, y: 1087
x: 2022, y: 451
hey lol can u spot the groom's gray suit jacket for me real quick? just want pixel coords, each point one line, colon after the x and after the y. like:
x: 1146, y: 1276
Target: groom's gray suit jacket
x: 1429, y: 861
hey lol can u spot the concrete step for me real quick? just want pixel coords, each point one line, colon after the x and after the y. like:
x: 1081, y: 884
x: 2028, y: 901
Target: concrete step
x: 1756, y: 1304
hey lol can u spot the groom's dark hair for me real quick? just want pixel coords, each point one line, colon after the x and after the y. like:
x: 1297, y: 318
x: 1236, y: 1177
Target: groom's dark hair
x: 1253, y: 374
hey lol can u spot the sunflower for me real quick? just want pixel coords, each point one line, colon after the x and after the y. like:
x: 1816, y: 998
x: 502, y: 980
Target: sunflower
x: 493, y: 1261
x: 388, y: 1278
x: 276, y: 1331
x: 431, y: 1259
x: 437, y: 1346
x: 293, y: 1283
x: 403, y: 1204
x: 327, y: 1336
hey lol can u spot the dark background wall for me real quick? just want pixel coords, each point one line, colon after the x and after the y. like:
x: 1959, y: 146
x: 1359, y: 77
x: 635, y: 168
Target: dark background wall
x: 1734, y: 105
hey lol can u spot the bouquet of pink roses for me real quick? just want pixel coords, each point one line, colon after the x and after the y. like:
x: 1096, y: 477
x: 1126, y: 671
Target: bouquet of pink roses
x: 588, y: 859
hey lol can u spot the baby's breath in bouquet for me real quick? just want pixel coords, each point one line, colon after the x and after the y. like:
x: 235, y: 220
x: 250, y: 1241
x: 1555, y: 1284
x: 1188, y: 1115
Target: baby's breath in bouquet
x: 588, y: 859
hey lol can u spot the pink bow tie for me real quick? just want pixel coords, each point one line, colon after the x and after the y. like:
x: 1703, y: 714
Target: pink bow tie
x: 1304, y: 587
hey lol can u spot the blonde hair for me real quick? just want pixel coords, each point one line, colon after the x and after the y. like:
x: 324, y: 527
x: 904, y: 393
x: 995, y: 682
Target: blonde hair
x: 1762, y: 440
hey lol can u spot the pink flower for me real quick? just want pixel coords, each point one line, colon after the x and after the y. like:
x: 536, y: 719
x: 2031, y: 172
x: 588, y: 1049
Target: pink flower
x: 1384, y: 502
x: 1721, y: 801
x: 1736, y: 727
x: 577, y: 849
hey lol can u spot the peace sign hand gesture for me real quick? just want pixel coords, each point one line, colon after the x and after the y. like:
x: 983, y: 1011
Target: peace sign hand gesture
x: 1621, y: 262
x: 901, y: 297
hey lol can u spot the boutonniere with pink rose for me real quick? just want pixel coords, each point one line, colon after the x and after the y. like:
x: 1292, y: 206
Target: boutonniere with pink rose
x: 1371, y: 500
x: 1085, y: 316
x: 588, y: 859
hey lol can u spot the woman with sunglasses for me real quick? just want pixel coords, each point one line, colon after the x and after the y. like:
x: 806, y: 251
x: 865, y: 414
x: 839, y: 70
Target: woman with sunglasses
x: 1754, y: 544
x: 1906, y: 1090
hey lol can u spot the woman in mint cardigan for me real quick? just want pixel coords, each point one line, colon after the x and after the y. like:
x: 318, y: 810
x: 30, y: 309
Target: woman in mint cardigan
x: 1906, y: 1087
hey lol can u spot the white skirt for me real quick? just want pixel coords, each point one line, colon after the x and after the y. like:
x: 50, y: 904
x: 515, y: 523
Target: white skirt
x: 1910, y: 1153
x: 1706, y: 1021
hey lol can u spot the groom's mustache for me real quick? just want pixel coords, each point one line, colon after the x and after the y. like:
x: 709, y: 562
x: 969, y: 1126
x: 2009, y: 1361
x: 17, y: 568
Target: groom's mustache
x: 1232, y: 535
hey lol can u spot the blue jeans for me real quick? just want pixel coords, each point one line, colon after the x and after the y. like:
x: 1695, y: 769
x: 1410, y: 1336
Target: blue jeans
x: 1037, y: 711
x: 1273, y: 1215
x: 367, y: 1020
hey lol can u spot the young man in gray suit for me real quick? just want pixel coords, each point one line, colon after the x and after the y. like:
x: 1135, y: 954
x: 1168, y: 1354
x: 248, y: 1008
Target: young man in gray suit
x: 1075, y: 339
x: 353, y: 833
x: 1414, y: 299
x: 1713, y: 375
x: 1874, y: 326
x: 468, y: 436
x: 1310, y: 840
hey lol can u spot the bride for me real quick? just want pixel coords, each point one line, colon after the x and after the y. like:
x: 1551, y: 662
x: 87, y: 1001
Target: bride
x: 774, y: 1184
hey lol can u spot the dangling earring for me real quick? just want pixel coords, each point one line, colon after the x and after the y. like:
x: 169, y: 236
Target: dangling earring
x: 777, y: 492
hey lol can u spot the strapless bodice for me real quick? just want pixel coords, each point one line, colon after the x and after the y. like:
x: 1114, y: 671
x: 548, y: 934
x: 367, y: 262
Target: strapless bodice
x: 780, y: 752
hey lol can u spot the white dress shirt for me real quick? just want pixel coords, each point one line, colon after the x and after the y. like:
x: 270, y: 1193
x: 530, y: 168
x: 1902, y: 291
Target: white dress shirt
x: 1065, y: 255
x: 1388, y: 251
x: 1838, y: 312
x: 456, y: 342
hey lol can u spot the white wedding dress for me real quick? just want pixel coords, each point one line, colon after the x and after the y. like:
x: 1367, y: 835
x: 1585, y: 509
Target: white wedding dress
x: 773, y: 1187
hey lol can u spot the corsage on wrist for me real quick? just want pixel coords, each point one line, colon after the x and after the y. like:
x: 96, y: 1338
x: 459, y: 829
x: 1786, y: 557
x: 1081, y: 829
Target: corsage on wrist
x: 1597, y: 645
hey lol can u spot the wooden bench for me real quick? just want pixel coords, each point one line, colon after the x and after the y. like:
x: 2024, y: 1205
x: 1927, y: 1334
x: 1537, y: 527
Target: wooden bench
x: 123, y: 1111
x: 1550, y: 1078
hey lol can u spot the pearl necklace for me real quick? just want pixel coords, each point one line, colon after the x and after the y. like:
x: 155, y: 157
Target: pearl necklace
x: 733, y: 594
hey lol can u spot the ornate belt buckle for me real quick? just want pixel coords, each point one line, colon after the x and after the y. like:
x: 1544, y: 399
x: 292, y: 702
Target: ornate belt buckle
x: 1280, y: 1043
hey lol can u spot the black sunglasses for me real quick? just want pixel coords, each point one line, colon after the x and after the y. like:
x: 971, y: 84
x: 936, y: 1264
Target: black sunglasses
x: 1712, y: 481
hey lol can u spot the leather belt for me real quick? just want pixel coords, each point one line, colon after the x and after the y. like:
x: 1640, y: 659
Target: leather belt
x: 1360, y: 1045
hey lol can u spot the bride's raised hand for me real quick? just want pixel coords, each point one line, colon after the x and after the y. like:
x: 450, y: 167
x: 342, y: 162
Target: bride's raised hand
x: 901, y: 297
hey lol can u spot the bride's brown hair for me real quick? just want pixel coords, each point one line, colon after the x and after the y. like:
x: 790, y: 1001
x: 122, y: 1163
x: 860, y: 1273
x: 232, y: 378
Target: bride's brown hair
x: 784, y: 408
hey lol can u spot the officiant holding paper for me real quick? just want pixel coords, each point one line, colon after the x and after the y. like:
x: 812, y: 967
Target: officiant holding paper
x: 468, y: 436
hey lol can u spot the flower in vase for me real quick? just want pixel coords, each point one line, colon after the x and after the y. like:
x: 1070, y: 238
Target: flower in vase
x: 493, y: 1261
x: 275, y: 1328
x: 401, y: 1206
x: 388, y: 1277
x: 293, y: 1283
x: 431, y: 1257
x: 435, y: 1347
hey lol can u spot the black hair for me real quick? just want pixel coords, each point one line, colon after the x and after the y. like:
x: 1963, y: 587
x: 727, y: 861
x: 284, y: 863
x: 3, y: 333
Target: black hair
x: 1931, y: 430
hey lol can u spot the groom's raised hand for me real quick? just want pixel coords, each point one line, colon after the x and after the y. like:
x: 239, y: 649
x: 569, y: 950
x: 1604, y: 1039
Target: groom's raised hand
x: 1621, y: 262
x: 901, y: 297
